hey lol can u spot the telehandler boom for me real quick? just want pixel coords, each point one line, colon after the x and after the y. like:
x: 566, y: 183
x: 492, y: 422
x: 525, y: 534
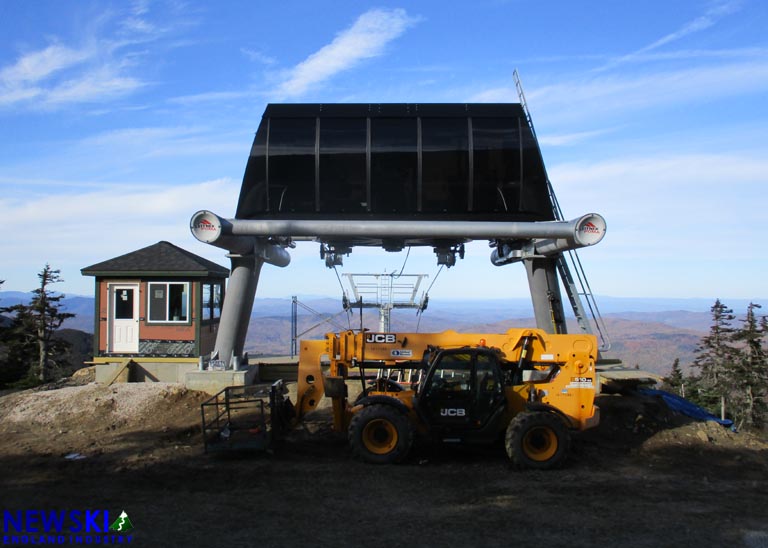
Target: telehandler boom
x: 526, y: 386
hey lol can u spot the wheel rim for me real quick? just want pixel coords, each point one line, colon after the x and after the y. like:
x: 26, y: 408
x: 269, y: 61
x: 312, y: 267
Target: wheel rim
x: 540, y: 443
x: 380, y: 436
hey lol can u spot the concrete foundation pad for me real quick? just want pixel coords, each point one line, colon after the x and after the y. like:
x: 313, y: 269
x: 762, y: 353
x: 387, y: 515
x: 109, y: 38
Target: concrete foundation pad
x: 140, y: 370
x: 186, y: 373
x: 215, y: 381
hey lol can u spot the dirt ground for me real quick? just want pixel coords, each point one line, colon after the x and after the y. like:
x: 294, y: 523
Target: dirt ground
x: 644, y: 478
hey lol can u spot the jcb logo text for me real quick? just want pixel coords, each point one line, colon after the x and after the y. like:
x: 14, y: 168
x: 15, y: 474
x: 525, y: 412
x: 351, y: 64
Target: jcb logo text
x: 381, y: 338
x: 450, y: 412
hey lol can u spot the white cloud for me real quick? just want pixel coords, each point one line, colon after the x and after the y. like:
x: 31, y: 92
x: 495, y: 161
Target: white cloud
x: 567, y: 139
x: 122, y: 158
x: 146, y: 142
x: 609, y: 95
x: 655, y: 171
x: 606, y: 95
x: 502, y: 94
x: 140, y: 7
x: 701, y: 23
x: 98, y: 85
x: 13, y: 96
x: 140, y: 136
x: 212, y: 97
x: 719, y: 74
x: 135, y: 22
x: 685, y: 205
x: 58, y: 75
x: 258, y: 56
x: 703, y: 54
x: 113, y: 206
x: 138, y: 25
x: 366, y: 38
x: 100, y: 68
x: 678, y: 224
x: 79, y: 228
x: 38, y: 65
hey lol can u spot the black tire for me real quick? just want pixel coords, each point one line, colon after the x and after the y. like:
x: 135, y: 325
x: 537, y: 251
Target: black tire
x: 386, y: 385
x: 539, y: 440
x: 380, y: 434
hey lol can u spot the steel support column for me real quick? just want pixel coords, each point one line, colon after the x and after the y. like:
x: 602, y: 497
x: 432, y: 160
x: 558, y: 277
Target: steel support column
x: 238, y: 304
x: 545, y: 294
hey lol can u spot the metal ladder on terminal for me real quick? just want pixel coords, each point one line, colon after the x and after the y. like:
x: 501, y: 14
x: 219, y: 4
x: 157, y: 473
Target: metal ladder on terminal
x: 568, y: 262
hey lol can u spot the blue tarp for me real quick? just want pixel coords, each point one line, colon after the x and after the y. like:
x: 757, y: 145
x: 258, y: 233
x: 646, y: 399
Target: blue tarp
x: 681, y: 405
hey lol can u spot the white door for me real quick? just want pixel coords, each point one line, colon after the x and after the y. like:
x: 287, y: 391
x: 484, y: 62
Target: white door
x: 124, y: 318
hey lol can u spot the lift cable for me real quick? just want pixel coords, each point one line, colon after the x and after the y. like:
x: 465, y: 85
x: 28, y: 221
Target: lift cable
x: 344, y: 294
x: 420, y: 311
x: 404, y: 263
x: 439, y: 270
x: 326, y: 319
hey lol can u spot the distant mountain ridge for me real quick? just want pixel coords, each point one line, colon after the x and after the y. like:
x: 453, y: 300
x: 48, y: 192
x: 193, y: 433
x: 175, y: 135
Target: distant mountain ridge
x: 688, y: 314
x: 649, y: 345
x: 649, y: 333
x: 81, y: 306
x: 514, y: 307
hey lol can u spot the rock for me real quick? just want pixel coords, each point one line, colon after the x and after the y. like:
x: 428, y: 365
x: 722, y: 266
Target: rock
x: 85, y: 374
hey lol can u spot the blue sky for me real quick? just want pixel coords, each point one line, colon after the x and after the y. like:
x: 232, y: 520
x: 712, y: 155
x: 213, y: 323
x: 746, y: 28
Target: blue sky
x: 119, y: 120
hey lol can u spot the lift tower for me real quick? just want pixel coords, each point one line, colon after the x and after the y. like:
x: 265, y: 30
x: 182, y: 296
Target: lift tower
x: 393, y: 176
x: 385, y: 292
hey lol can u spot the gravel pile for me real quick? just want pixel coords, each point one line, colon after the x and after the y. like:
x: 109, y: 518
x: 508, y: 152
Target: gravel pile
x: 124, y: 403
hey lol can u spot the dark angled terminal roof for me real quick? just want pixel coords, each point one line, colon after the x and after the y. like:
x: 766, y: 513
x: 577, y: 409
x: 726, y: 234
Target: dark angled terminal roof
x: 396, y: 162
x: 393, y: 110
x: 160, y: 259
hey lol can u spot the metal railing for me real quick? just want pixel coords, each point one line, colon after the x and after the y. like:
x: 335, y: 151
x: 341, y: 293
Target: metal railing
x: 235, y: 419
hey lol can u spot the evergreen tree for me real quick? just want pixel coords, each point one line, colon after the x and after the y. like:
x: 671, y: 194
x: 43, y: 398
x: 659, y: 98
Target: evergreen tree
x: 714, y: 356
x: 15, y: 347
x: 5, y: 374
x: 18, y: 346
x: 48, y: 317
x: 733, y: 367
x: 747, y: 375
x: 29, y: 341
x: 674, y: 382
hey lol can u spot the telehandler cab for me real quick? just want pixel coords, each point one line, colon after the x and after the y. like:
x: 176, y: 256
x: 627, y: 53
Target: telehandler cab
x: 527, y: 386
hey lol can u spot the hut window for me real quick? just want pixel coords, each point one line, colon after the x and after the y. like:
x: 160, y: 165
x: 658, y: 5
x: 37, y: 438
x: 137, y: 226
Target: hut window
x: 169, y: 302
x: 211, y: 301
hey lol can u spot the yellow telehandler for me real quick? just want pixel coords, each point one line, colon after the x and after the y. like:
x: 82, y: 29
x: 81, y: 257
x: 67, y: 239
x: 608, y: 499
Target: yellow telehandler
x: 527, y: 386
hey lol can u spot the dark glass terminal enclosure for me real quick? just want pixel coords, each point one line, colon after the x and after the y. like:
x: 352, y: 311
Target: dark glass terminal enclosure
x: 395, y: 162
